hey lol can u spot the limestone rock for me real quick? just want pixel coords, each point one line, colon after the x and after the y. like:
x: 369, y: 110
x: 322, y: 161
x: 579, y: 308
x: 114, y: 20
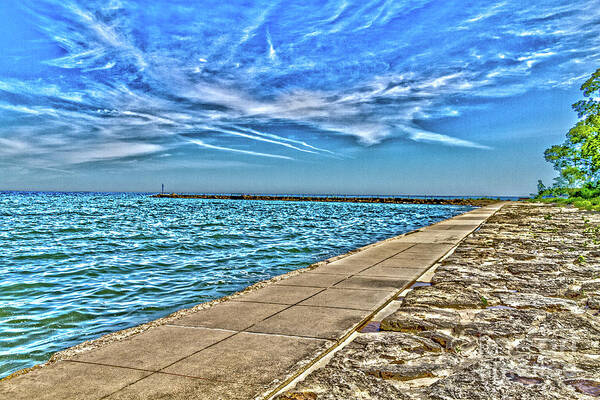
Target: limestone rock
x: 448, y: 296
x: 418, y: 319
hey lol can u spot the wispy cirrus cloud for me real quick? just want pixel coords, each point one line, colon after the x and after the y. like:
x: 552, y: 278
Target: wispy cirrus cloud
x: 252, y: 153
x: 419, y: 135
x: 122, y: 79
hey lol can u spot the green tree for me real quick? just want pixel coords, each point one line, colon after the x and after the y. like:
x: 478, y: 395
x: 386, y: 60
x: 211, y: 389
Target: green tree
x: 540, y: 186
x: 578, y: 158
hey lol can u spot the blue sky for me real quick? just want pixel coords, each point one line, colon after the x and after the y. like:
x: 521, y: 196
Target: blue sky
x: 355, y: 97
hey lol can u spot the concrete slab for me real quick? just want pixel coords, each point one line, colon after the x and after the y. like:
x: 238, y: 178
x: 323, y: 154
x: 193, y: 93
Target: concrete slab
x: 378, y: 253
x: 427, y: 249
x: 372, y: 283
x: 155, y: 348
x: 389, y: 272
x: 312, y: 280
x: 408, y: 262
x: 314, y: 322
x: 175, y: 387
x: 250, y: 359
x: 423, y: 251
x: 451, y: 224
x: 397, y: 245
x: 339, y: 268
x: 457, y: 222
x: 349, y: 298
x: 69, y: 380
x: 234, y: 315
x: 462, y: 228
x: 435, y: 237
x: 439, y: 227
x: 276, y: 294
x: 361, y: 260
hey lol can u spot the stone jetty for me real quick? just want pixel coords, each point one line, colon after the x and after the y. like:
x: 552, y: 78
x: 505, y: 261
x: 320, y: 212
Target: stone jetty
x: 336, y: 199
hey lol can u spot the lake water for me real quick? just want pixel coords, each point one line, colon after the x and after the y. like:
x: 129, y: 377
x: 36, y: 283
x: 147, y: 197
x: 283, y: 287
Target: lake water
x: 75, y: 266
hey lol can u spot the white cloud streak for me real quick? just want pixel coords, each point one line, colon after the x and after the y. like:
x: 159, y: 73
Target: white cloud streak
x: 431, y: 137
x: 249, y: 152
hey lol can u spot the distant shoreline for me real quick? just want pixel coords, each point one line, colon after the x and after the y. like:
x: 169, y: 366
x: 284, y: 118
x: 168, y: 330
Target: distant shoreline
x: 335, y: 199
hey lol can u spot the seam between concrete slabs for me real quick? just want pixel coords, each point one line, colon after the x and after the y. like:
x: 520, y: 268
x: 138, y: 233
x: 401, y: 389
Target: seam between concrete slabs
x: 292, y: 305
x: 201, y: 327
x: 307, y: 298
x: 158, y: 371
x: 161, y: 370
x: 214, y: 344
x: 250, y: 333
x: 343, y: 341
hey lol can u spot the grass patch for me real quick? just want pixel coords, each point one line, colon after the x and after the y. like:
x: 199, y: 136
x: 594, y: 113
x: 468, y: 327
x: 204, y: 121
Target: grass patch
x: 484, y: 301
x: 591, y: 204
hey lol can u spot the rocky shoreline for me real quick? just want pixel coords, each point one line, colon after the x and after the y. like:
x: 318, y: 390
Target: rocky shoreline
x: 333, y: 199
x: 511, y: 314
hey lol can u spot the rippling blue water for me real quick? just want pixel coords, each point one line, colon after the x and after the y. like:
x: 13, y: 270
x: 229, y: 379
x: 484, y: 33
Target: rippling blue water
x: 76, y: 266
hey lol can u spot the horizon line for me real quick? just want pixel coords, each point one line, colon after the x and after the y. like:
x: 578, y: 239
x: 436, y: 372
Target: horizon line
x: 264, y: 193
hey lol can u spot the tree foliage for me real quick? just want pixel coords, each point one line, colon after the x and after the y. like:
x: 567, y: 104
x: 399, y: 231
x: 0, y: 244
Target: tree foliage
x: 578, y: 158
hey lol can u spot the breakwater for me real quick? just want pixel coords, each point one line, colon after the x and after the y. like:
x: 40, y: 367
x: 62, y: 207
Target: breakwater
x: 479, y: 202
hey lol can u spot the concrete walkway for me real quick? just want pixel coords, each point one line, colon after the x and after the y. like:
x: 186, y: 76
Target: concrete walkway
x: 254, y: 344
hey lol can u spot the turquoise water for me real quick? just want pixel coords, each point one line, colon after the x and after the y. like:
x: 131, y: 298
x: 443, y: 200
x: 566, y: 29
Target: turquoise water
x: 75, y: 266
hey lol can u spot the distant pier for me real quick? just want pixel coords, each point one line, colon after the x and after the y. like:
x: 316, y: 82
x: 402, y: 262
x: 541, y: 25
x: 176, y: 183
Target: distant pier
x: 478, y: 202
